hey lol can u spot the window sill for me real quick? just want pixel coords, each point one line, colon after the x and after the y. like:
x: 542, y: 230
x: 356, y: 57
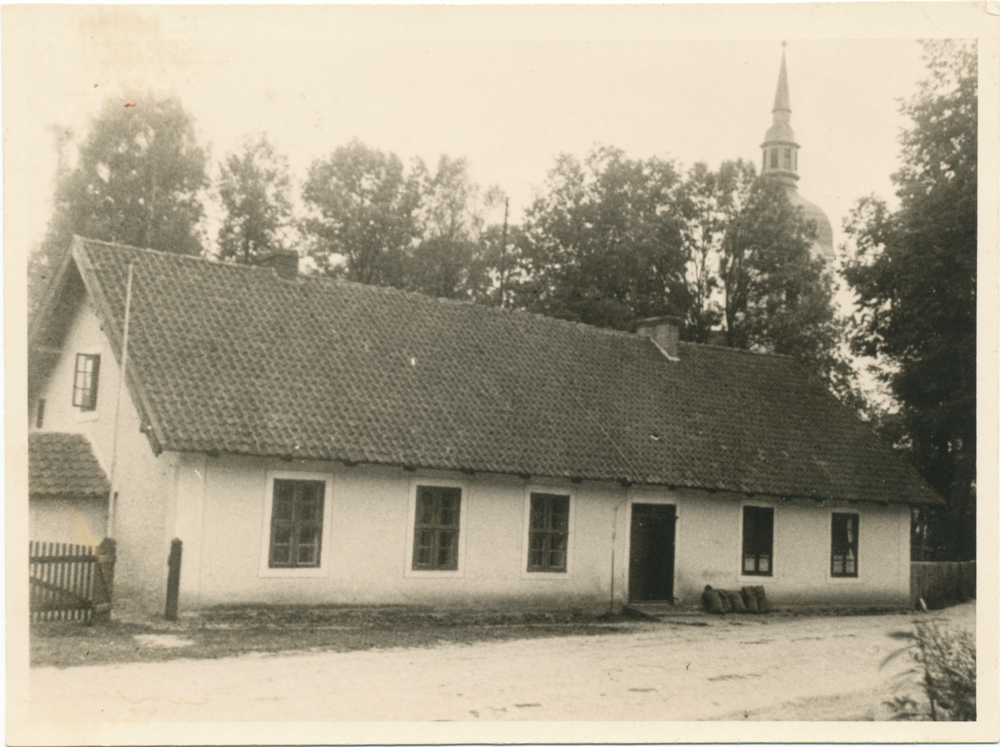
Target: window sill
x: 544, y: 575
x: 843, y: 579
x: 412, y: 573
x: 293, y: 572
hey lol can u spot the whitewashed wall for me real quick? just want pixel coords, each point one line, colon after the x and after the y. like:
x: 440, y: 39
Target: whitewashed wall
x: 709, y: 545
x: 367, y: 546
x: 76, y: 521
x: 144, y: 482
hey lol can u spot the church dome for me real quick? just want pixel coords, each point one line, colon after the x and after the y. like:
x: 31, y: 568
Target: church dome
x: 780, y: 132
x: 823, y: 245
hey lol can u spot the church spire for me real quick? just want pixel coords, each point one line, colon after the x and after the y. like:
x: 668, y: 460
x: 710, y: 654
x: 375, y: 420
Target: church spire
x: 781, y: 156
x: 781, y: 162
x: 781, y: 95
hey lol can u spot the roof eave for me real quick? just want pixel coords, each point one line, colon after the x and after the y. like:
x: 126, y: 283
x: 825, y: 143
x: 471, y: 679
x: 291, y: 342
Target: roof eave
x: 622, y: 478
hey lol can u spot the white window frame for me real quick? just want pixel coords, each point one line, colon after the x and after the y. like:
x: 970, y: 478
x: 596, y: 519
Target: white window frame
x: 79, y: 414
x: 829, y: 546
x: 325, y: 551
x: 526, y: 534
x: 775, y: 572
x: 463, y: 516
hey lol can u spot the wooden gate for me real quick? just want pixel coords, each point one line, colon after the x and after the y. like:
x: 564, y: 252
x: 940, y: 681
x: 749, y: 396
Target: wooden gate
x: 70, y: 582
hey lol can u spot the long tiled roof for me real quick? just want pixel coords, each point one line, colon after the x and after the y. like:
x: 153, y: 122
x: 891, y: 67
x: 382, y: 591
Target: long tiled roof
x: 228, y: 358
x: 63, y: 464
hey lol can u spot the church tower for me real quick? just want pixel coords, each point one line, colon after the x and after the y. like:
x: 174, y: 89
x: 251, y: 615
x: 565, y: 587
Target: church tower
x: 781, y: 162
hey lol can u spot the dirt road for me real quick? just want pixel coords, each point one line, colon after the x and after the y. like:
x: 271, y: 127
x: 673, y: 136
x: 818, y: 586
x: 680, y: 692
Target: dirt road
x: 777, y: 668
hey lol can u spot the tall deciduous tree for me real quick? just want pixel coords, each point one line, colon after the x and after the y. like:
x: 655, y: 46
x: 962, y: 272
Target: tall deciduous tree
x: 138, y: 180
x: 914, y: 272
x: 774, y: 290
x: 709, y: 203
x: 364, y: 219
x: 448, y: 261
x: 254, y: 190
x: 776, y: 296
x: 603, y: 244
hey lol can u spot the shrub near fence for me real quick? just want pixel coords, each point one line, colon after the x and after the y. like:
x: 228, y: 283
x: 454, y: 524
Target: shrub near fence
x: 70, y: 582
x: 939, y: 584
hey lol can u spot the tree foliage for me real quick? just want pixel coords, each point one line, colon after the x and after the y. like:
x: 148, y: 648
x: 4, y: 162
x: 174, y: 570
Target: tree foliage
x: 448, y: 261
x: 914, y: 273
x: 364, y: 219
x: 778, y: 297
x: 376, y: 222
x: 614, y: 239
x: 603, y: 244
x: 138, y: 180
x: 254, y: 190
x: 709, y: 204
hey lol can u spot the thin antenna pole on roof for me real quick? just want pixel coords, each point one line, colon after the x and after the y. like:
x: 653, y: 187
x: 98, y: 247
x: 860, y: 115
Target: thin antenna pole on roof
x: 112, y: 494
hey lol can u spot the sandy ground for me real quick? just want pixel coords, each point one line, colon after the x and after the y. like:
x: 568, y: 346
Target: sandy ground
x: 777, y: 668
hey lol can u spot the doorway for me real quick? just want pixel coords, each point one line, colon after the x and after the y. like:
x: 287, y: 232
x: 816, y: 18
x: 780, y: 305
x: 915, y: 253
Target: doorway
x: 651, y: 553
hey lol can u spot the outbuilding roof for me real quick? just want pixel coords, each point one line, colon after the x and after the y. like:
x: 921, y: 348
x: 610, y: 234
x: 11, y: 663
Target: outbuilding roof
x: 233, y: 358
x: 63, y: 464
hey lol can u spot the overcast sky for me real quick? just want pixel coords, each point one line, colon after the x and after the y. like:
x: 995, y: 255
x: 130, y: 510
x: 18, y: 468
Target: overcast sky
x: 507, y: 99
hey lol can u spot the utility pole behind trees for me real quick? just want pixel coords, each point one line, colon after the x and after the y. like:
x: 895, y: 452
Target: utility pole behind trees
x: 503, y: 248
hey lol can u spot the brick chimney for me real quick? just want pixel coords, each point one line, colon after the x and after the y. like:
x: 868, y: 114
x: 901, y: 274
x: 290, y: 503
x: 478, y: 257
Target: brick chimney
x: 283, y: 261
x: 665, y: 331
x: 717, y: 337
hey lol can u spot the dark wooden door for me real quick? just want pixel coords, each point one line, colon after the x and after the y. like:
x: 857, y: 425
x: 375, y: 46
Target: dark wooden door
x: 651, y: 554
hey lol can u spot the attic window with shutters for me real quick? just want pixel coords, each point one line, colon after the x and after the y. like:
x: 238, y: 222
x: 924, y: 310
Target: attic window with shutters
x: 85, y: 379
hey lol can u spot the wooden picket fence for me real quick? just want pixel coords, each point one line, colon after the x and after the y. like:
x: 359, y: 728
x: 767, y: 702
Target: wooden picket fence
x: 70, y: 582
x: 942, y: 583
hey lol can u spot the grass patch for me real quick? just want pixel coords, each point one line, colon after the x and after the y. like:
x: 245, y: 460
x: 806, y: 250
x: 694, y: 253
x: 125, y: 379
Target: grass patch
x: 946, y: 661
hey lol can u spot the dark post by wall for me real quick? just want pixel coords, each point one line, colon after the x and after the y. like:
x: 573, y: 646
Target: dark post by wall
x: 173, y: 579
x: 107, y: 553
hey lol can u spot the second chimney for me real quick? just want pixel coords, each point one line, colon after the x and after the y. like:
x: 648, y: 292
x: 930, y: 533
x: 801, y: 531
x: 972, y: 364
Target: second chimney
x: 285, y: 262
x: 665, y: 331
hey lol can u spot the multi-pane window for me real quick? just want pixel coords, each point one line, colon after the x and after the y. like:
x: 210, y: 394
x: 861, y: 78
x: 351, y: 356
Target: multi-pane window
x: 844, y: 545
x: 758, y: 541
x: 548, y: 532
x: 435, y: 533
x: 85, y: 381
x: 296, y: 524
